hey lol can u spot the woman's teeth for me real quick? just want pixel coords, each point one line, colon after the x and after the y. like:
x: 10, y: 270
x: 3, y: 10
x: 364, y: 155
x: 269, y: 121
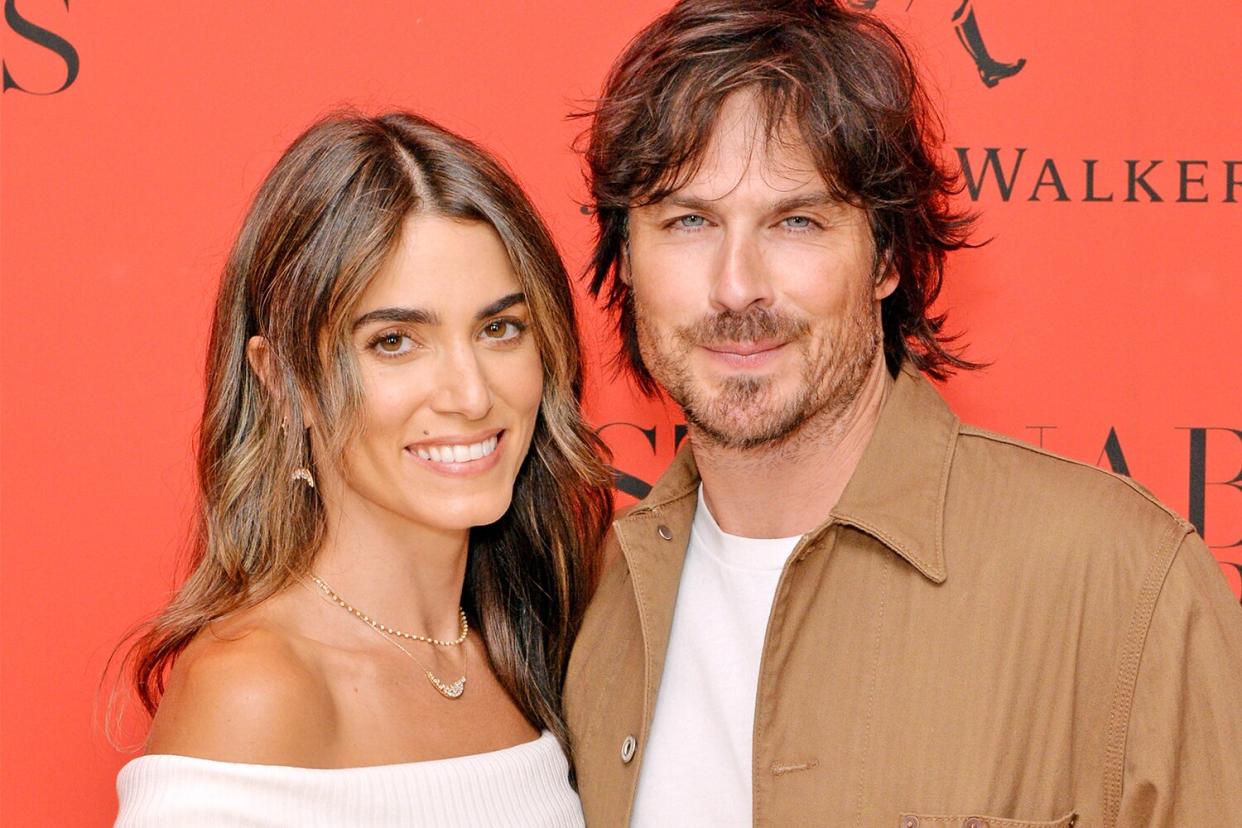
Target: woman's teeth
x: 458, y: 454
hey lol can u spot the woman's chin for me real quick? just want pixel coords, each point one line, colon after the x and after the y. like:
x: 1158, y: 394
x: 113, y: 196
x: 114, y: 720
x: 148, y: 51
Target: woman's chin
x: 463, y: 514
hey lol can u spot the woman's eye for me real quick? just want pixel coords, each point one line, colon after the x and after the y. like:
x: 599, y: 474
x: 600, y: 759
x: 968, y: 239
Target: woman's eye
x: 392, y: 344
x: 502, y: 330
x: 691, y: 221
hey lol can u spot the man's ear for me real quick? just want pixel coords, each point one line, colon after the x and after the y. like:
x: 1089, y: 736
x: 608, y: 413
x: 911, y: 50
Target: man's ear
x: 623, y: 262
x: 888, y: 279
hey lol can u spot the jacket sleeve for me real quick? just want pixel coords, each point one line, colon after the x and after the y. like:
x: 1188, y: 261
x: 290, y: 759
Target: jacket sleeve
x: 1183, y: 756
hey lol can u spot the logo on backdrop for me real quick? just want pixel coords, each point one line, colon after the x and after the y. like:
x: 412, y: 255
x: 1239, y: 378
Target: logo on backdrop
x: 42, y: 37
x: 966, y: 26
x: 1113, y: 455
x: 1016, y: 176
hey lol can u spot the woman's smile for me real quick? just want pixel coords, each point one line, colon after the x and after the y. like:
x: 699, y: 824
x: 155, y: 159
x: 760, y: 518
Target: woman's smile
x: 459, y: 455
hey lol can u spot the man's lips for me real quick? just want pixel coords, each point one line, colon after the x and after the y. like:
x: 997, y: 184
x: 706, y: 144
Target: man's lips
x: 744, y: 348
x: 745, y: 354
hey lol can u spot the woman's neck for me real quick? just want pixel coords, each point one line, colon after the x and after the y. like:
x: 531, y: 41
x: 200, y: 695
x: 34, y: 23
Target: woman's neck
x: 402, y: 574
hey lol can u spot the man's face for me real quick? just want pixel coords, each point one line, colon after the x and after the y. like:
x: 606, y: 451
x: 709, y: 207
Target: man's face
x: 755, y: 293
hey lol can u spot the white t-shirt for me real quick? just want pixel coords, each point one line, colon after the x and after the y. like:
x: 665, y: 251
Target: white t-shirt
x: 696, y: 768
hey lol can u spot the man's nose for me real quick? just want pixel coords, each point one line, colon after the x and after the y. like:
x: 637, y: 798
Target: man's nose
x: 462, y: 387
x: 740, y: 281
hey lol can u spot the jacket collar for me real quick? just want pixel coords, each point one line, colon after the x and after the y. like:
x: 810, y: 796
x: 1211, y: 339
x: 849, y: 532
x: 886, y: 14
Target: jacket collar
x: 896, y: 494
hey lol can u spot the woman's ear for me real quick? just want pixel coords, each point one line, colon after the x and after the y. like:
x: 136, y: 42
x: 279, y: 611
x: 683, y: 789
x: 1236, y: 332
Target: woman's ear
x: 262, y: 359
x: 259, y: 355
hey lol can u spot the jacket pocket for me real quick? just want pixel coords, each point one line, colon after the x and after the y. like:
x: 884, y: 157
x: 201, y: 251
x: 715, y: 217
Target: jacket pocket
x: 980, y: 821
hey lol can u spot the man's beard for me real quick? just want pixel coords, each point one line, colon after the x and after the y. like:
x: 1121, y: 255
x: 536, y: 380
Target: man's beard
x: 745, y: 412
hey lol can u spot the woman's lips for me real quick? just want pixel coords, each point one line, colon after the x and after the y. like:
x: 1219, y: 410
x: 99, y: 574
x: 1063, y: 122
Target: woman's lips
x: 458, y: 456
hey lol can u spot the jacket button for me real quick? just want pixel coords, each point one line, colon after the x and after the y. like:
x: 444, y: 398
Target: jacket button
x: 976, y: 822
x: 909, y: 822
x: 627, y: 749
x: 665, y: 532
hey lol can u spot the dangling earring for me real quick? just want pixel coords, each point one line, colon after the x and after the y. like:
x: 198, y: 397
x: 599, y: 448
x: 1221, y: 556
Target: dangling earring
x: 301, y: 472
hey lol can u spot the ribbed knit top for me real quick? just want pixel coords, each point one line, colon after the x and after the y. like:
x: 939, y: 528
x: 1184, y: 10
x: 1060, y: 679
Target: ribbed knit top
x: 524, y: 785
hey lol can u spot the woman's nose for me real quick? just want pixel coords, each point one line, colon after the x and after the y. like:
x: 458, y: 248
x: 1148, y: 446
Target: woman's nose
x: 461, y: 386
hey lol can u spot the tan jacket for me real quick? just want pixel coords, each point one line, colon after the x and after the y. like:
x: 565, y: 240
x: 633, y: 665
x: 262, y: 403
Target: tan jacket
x: 980, y: 634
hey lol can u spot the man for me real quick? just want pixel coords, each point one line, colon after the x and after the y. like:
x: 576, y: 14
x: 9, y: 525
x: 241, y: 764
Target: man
x: 841, y: 605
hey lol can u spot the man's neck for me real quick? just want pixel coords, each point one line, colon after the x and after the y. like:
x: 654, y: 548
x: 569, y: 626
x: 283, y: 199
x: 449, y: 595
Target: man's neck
x: 788, y: 489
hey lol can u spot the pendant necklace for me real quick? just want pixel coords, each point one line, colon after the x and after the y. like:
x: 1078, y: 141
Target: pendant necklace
x: 452, y: 690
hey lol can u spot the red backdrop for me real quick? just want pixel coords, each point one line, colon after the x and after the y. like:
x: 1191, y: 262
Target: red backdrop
x: 1112, y: 324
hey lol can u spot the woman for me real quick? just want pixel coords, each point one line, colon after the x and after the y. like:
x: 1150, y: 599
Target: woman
x: 399, y: 499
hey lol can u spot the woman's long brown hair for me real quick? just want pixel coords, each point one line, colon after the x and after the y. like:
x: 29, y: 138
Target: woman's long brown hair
x: 323, y: 222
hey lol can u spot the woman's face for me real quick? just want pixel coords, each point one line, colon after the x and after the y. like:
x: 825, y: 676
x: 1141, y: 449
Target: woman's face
x: 451, y: 376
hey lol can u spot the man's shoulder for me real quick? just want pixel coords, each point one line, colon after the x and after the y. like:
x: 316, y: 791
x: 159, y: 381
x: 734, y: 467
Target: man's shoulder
x: 1005, y: 475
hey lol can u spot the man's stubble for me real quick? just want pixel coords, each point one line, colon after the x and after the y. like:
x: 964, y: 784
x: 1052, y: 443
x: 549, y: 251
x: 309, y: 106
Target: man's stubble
x: 744, y: 412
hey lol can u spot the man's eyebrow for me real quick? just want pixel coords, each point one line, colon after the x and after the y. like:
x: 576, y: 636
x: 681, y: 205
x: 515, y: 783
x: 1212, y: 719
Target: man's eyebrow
x: 501, y: 304
x: 818, y: 198
x: 410, y: 316
x: 688, y: 202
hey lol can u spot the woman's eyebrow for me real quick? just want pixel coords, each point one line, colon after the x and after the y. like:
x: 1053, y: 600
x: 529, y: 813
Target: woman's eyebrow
x: 410, y: 316
x: 503, y: 303
x: 420, y: 316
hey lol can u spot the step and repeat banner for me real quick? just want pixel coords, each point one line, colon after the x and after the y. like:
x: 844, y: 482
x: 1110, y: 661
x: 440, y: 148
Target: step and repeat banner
x: 1101, y: 142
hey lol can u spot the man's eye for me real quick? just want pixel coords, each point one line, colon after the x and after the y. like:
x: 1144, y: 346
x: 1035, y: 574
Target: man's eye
x: 503, y: 330
x: 692, y: 221
x: 798, y: 222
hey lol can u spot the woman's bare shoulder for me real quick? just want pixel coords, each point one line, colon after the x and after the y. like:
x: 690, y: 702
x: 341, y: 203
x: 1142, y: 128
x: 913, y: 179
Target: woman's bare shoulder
x: 244, y: 691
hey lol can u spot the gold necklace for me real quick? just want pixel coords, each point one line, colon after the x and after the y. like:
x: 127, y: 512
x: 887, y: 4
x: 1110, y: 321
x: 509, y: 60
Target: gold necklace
x: 463, y: 624
x: 449, y: 691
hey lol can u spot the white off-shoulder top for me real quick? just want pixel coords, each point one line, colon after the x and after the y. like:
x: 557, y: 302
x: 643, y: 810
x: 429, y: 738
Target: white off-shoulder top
x: 524, y: 785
